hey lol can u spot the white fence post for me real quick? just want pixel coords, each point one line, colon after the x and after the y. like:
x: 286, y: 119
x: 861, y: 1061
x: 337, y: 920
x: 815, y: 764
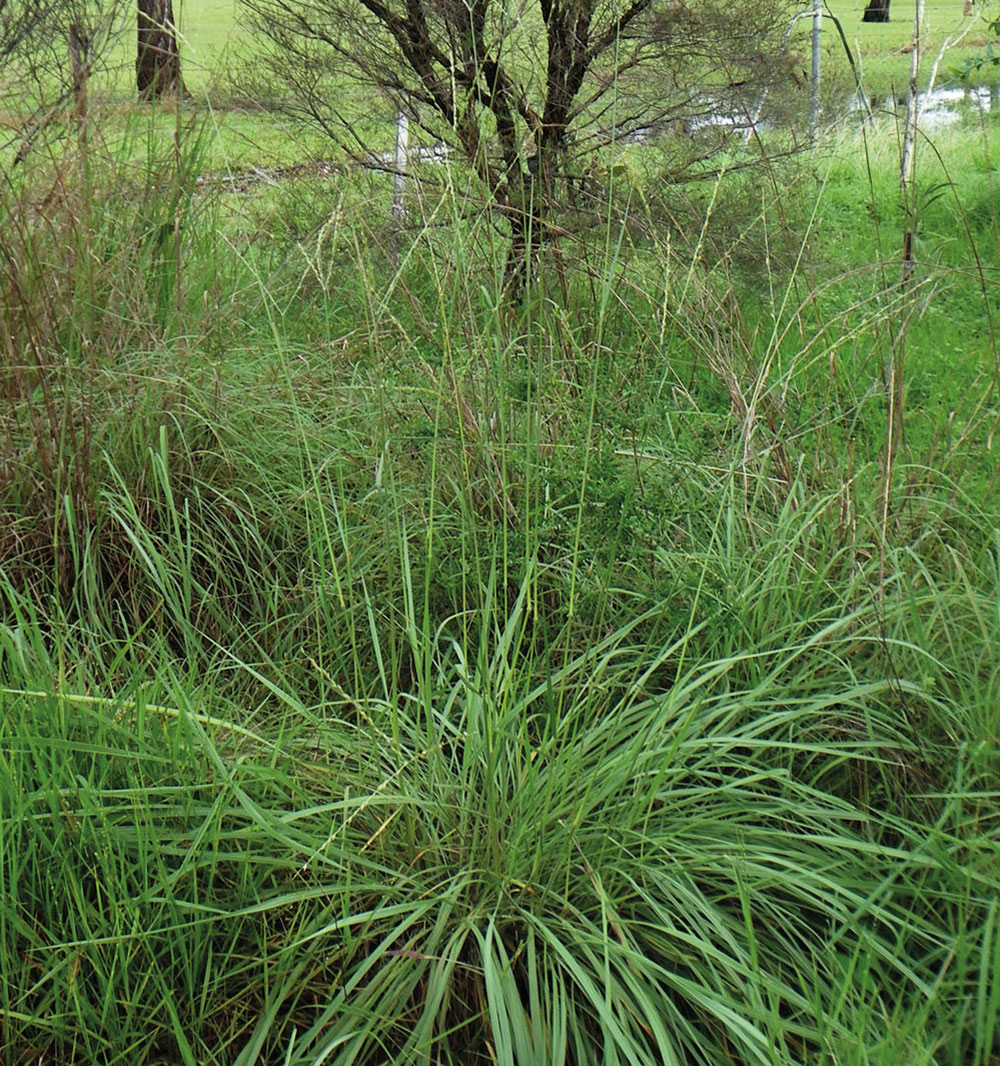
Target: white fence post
x: 400, y: 165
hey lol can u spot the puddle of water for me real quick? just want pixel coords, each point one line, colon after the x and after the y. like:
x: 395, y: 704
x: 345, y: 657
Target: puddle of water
x: 432, y: 153
x: 737, y: 121
x: 940, y: 107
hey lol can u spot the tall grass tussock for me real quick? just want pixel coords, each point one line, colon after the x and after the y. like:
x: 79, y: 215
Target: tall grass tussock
x: 391, y: 673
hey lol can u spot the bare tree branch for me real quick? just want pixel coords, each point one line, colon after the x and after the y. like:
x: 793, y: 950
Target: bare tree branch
x: 520, y: 90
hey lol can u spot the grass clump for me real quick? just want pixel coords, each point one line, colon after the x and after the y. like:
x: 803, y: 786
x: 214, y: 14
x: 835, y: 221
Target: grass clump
x: 564, y: 871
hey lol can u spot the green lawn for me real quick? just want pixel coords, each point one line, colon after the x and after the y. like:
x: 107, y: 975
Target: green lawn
x: 207, y: 26
x: 882, y: 49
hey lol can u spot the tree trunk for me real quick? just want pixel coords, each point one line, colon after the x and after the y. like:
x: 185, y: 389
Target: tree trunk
x: 526, y: 208
x: 876, y: 11
x: 521, y: 253
x: 158, y: 62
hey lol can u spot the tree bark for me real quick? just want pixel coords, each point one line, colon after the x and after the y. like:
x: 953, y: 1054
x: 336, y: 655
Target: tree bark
x: 158, y: 62
x: 876, y: 11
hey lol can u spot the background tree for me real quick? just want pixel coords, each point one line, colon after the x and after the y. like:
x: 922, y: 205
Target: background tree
x: 876, y: 11
x: 158, y: 60
x: 525, y: 92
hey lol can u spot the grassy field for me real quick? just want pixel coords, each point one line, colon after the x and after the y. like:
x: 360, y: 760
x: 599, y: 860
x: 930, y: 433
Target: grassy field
x: 393, y: 673
x: 216, y: 45
x: 881, y: 48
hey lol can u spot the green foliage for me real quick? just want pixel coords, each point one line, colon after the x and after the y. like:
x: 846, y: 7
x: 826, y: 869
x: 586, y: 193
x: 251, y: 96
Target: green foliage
x: 985, y: 60
x: 400, y: 676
